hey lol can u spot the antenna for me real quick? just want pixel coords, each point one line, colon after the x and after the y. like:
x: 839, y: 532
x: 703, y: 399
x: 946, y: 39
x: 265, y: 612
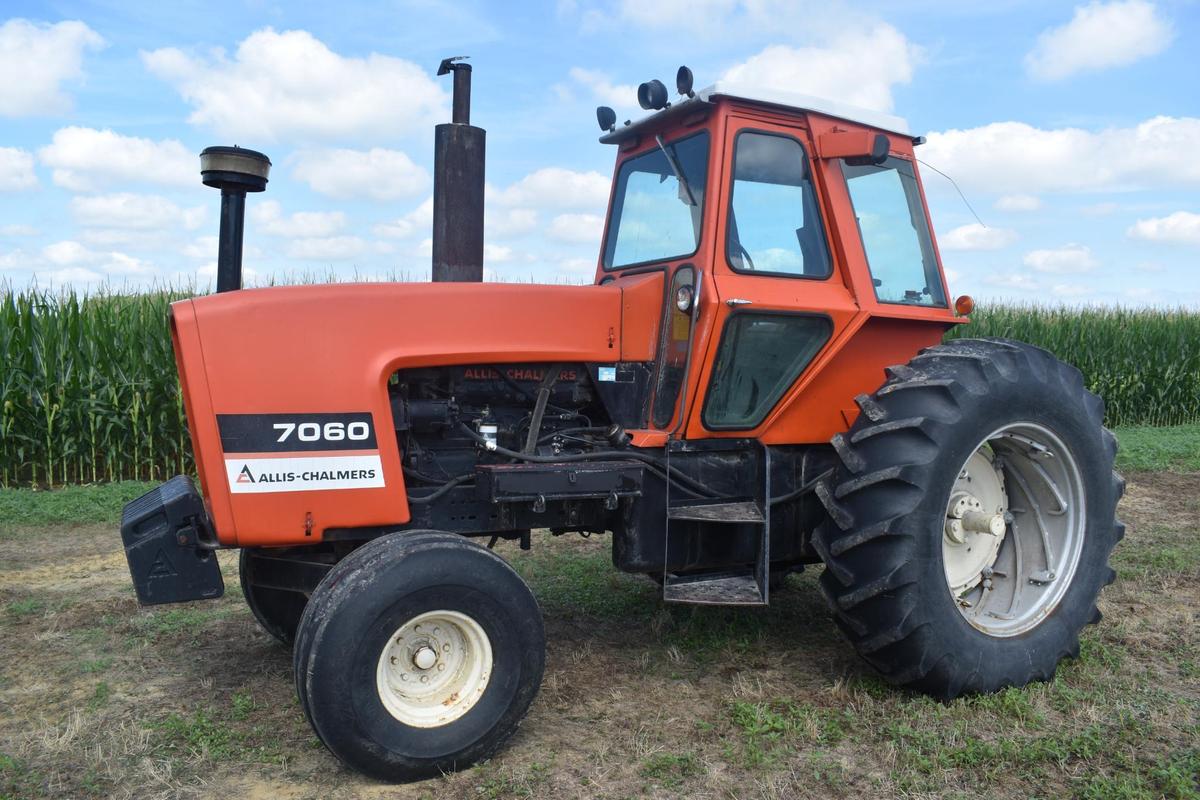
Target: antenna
x: 966, y: 202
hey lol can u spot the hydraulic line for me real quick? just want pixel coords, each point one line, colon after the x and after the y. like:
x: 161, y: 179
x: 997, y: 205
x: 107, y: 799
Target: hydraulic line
x: 675, y: 475
x: 446, y: 487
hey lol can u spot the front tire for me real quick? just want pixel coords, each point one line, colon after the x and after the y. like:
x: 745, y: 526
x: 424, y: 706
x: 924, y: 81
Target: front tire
x: 419, y: 654
x: 971, y: 518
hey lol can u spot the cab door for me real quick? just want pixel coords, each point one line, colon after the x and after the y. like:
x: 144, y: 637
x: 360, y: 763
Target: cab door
x: 781, y: 298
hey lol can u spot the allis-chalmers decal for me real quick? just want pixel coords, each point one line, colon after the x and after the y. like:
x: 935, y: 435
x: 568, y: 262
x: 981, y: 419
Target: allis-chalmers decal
x: 299, y: 452
x: 514, y: 373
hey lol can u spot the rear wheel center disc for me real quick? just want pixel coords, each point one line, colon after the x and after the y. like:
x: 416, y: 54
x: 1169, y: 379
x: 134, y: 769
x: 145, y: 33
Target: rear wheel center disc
x: 1014, y: 529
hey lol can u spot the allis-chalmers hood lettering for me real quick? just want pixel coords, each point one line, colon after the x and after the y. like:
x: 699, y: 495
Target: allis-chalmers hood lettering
x: 299, y: 452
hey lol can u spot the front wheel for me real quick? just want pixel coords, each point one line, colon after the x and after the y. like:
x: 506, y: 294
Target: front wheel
x: 418, y: 654
x: 971, y: 518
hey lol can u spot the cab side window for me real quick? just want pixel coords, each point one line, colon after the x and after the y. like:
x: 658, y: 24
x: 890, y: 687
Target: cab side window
x: 895, y: 232
x: 774, y: 227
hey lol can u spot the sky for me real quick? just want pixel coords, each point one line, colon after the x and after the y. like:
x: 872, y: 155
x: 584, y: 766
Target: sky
x: 1073, y: 130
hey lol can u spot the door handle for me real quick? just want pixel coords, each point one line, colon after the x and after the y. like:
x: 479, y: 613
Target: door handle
x: 737, y: 301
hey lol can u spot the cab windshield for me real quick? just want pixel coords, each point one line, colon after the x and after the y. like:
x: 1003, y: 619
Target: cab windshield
x: 655, y: 215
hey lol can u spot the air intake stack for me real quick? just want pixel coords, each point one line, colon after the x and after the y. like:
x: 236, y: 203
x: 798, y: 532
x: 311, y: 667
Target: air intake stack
x: 235, y: 171
x: 458, y: 162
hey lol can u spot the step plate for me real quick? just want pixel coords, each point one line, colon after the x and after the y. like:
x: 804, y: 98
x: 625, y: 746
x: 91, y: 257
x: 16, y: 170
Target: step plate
x: 718, y: 512
x: 729, y: 590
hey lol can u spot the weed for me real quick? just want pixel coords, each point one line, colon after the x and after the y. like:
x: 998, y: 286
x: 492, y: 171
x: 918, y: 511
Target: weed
x: 26, y: 607
x: 669, y: 769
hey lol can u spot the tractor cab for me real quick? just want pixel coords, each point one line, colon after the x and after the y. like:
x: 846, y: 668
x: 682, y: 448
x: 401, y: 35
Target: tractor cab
x: 783, y: 225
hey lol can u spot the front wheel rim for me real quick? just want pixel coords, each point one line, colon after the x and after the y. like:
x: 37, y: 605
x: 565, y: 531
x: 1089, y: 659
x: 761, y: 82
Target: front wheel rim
x: 434, y: 669
x: 1014, y: 529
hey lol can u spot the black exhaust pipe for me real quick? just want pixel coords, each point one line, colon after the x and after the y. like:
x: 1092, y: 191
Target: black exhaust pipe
x: 458, y: 162
x: 235, y: 171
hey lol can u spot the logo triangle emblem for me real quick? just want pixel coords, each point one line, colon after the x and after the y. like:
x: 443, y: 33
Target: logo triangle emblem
x: 162, y: 567
x: 244, y: 476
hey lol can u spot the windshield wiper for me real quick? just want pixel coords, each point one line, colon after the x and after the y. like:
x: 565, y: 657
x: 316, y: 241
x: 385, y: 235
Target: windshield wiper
x: 674, y: 162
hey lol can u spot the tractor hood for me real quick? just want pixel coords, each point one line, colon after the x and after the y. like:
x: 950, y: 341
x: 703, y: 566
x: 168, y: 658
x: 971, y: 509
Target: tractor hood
x: 279, y: 354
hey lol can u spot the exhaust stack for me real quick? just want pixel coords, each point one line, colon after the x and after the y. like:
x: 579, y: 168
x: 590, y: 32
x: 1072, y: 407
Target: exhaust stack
x: 458, y: 163
x: 235, y: 171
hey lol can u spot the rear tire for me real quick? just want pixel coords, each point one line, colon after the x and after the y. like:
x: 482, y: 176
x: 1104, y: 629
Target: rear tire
x: 935, y: 618
x: 418, y: 654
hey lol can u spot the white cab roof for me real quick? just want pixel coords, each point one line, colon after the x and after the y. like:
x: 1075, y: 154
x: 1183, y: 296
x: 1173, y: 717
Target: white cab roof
x: 804, y: 102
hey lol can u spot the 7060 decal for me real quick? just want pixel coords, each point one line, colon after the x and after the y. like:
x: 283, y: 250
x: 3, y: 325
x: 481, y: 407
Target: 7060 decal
x: 296, y: 433
x: 329, y: 432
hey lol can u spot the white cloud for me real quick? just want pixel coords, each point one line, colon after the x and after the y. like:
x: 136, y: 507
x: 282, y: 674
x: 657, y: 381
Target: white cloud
x: 203, y: 247
x: 35, y: 59
x: 377, y: 174
x: 87, y: 159
x: 1099, y: 209
x: 1013, y: 280
x: 1070, y: 290
x: 602, y: 88
x: 1071, y: 258
x: 70, y: 254
x: 18, y: 229
x: 556, y: 188
x: 134, y: 211
x: 509, y: 221
x: 417, y: 221
x: 976, y: 237
x: 859, y: 67
x: 67, y: 252
x: 16, y: 170
x: 497, y: 253
x: 268, y: 217
x: 1182, y: 227
x: 1019, y: 202
x: 291, y: 85
x: 576, y: 228
x: 1099, y: 36
x: 327, y: 248
x: 1016, y: 157
x: 68, y: 276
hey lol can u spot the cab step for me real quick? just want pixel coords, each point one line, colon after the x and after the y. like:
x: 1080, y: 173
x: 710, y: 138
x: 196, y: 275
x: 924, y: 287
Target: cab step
x: 732, y: 513
x: 722, y: 588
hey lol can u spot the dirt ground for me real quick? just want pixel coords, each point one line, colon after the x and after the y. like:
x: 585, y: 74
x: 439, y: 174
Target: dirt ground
x: 99, y: 698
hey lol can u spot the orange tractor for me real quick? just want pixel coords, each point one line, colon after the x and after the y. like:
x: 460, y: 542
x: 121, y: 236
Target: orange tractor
x: 754, y: 382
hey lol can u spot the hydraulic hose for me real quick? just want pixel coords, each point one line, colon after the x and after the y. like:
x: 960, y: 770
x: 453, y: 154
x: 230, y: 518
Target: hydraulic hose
x: 672, y: 474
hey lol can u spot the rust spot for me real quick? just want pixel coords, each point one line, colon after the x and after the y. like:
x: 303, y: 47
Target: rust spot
x: 451, y: 699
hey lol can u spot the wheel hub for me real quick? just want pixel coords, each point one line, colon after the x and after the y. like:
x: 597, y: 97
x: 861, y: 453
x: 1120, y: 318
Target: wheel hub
x: 975, y: 523
x: 1008, y: 566
x: 434, y: 668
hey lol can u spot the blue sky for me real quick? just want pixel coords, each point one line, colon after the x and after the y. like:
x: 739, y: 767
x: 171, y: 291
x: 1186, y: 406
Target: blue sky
x: 1072, y: 128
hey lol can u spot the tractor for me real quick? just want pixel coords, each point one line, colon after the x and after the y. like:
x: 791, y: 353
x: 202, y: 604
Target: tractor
x: 755, y: 381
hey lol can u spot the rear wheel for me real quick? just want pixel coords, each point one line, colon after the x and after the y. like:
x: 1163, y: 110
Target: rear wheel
x: 971, y: 519
x: 418, y: 654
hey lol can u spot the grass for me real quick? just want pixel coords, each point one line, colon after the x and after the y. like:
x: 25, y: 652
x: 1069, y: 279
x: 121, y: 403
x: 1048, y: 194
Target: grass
x: 639, y: 700
x: 89, y: 393
x: 1176, y: 448
x: 71, y: 504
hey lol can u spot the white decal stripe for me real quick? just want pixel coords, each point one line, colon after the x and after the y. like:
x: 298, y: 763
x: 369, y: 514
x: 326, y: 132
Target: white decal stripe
x: 308, y: 473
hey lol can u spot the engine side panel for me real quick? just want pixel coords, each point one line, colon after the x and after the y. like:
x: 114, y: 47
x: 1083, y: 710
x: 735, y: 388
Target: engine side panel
x: 308, y: 350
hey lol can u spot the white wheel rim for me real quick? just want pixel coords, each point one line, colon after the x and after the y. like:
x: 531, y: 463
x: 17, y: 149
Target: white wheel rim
x: 1014, y: 529
x: 434, y: 669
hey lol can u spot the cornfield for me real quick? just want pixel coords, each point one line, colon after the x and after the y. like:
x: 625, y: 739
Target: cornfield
x: 89, y: 393
x: 1145, y: 363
